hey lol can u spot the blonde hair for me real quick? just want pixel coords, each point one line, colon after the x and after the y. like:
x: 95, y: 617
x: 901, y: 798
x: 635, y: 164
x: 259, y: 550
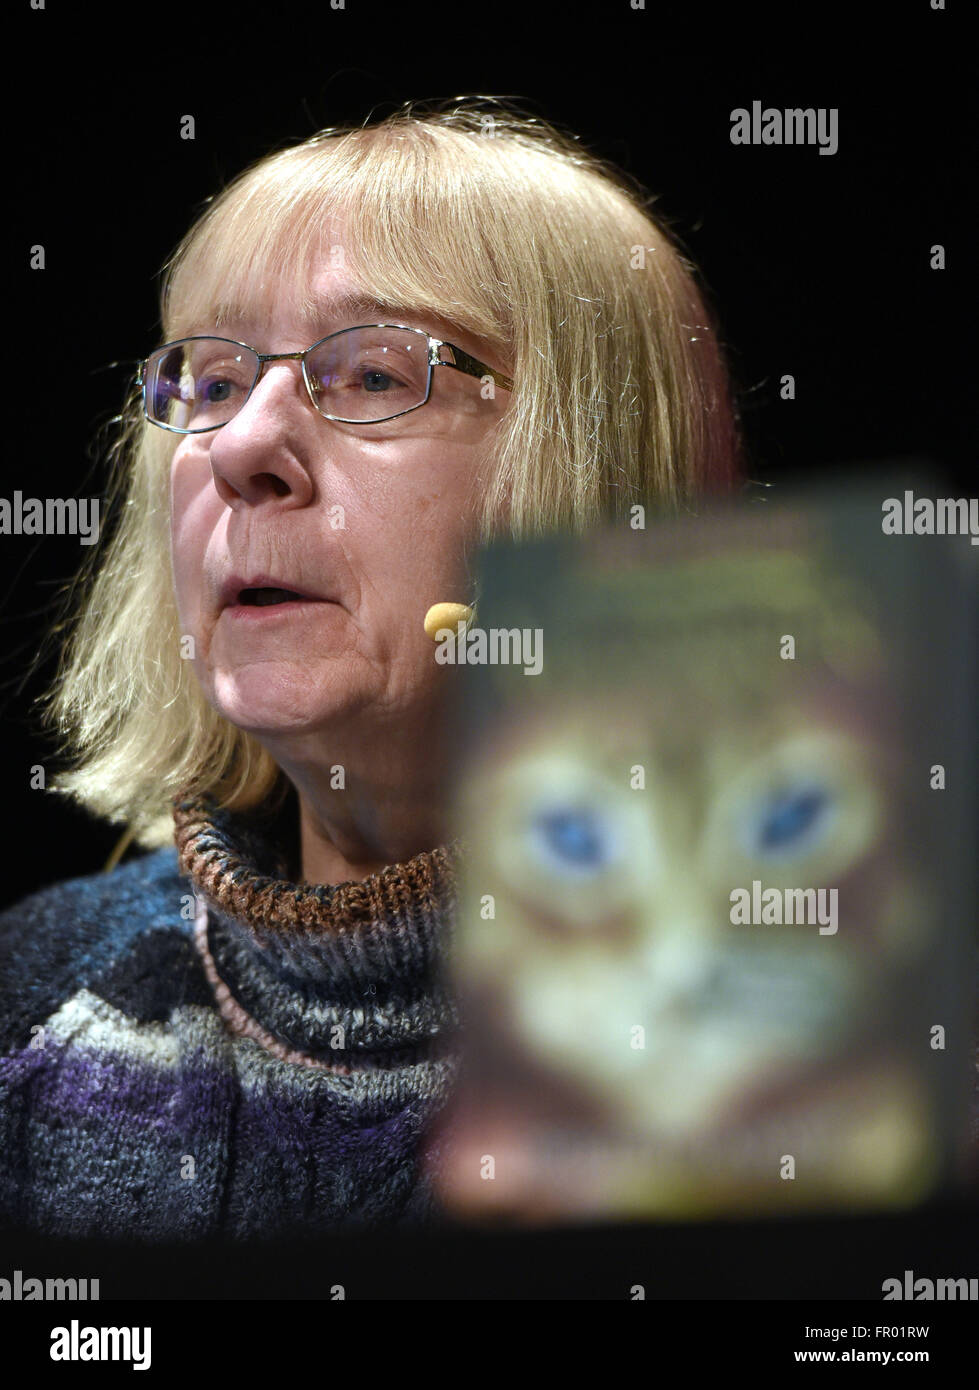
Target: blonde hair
x: 492, y: 219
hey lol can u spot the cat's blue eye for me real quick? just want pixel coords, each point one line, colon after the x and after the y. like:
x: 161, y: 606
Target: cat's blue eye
x: 792, y: 821
x: 573, y: 840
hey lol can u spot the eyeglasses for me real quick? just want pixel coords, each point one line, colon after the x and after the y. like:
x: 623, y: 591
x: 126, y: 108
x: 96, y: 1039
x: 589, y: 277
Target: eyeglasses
x: 359, y: 376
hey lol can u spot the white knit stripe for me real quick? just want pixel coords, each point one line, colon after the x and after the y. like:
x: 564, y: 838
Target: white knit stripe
x: 88, y: 1022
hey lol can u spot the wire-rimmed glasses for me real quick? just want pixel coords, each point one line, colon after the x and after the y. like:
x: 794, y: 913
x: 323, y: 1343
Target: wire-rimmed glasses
x: 354, y: 376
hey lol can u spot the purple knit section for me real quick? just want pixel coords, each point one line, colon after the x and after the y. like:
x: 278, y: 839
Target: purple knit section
x: 121, y: 1131
x: 79, y: 1084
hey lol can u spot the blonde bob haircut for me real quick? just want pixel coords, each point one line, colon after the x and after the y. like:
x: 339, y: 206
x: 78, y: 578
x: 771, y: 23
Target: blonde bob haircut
x: 490, y: 218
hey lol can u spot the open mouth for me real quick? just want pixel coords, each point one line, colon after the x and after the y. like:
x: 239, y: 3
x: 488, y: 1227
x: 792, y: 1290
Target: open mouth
x: 265, y: 598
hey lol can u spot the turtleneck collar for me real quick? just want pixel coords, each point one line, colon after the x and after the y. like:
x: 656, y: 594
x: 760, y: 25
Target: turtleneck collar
x: 348, y: 976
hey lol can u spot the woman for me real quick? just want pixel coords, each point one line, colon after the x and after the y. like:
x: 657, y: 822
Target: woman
x: 379, y: 348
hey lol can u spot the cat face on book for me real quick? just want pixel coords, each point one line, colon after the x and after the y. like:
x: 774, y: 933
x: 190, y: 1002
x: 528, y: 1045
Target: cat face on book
x: 609, y: 845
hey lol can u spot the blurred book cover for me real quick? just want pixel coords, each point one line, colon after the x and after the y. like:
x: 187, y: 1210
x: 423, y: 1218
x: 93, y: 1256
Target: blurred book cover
x: 715, y: 947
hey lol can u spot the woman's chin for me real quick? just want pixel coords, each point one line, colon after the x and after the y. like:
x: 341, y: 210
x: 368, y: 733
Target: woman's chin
x: 273, y: 697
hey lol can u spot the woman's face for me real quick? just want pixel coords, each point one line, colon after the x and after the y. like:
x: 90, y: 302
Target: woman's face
x: 373, y: 520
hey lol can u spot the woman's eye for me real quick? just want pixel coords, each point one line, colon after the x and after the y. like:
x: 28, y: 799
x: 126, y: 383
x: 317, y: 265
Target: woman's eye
x: 214, y: 392
x: 374, y: 380
x: 793, y: 820
x: 573, y: 841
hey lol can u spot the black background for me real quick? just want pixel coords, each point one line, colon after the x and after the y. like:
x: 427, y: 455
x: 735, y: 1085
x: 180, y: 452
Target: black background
x: 817, y: 266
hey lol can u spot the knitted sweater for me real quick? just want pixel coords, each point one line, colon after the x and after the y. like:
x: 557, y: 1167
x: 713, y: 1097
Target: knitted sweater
x: 195, y: 1044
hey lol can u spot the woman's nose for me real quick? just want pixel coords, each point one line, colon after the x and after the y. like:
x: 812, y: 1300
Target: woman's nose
x: 260, y: 452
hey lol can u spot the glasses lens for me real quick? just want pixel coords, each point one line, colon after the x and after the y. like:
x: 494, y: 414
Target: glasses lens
x: 365, y: 374
x: 199, y: 383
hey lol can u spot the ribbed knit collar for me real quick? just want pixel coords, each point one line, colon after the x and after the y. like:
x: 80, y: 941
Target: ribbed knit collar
x: 301, y: 967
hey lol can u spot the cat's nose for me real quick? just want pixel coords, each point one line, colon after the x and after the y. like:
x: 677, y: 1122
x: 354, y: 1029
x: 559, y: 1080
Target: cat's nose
x: 681, y: 968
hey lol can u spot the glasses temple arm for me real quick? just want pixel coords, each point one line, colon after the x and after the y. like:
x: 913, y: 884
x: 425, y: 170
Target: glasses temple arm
x: 473, y: 367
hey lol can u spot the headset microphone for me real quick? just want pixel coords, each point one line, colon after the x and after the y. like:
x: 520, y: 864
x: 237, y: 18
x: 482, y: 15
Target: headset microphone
x: 447, y: 615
